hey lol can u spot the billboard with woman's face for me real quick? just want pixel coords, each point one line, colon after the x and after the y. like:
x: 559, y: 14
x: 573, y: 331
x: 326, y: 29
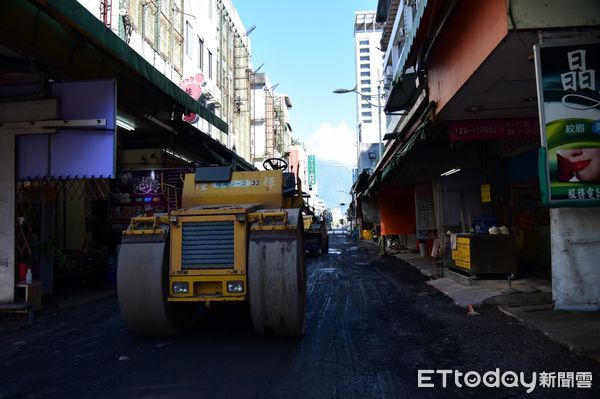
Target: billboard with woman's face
x: 569, y: 104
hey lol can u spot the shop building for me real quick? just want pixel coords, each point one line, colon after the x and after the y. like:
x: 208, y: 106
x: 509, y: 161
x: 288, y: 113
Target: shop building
x: 464, y: 138
x: 93, y: 133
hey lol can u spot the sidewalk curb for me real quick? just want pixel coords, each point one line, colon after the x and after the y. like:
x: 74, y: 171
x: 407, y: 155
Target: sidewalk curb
x: 578, y: 349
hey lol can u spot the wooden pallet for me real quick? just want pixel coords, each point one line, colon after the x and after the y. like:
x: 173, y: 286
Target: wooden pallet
x: 17, y: 311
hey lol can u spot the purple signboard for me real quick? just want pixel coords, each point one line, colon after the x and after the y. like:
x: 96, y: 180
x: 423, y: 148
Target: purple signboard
x: 71, y: 154
x: 94, y: 99
x: 32, y: 156
x: 81, y: 154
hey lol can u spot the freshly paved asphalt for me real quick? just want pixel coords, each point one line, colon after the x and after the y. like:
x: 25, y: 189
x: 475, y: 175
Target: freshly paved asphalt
x: 371, y: 324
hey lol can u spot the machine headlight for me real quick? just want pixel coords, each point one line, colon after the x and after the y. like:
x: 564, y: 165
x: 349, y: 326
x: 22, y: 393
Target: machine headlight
x: 181, y: 287
x: 235, y: 287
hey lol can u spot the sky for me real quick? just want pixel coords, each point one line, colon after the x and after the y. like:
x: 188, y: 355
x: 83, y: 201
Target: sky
x: 307, y: 47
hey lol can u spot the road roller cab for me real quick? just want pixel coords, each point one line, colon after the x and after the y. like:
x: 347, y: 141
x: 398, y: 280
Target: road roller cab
x: 232, y: 240
x: 316, y: 240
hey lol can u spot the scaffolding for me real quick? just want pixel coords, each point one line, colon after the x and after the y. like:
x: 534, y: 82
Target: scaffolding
x: 279, y: 126
x: 106, y: 12
x: 241, y: 85
x: 269, y: 125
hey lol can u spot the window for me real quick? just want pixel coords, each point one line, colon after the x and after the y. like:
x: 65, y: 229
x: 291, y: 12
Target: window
x: 368, y: 121
x: 210, y: 62
x: 149, y: 24
x: 365, y: 58
x: 365, y: 90
x: 135, y: 13
x: 369, y: 114
x: 188, y: 39
x: 365, y: 106
x: 165, y: 38
x: 178, y: 53
x: 365, y: 81
x: 177, y: 16
x: 364, y: 50
x: 364, y: 66
x: 365, y: 74
x: 364, y: 42
x: 200, y: 53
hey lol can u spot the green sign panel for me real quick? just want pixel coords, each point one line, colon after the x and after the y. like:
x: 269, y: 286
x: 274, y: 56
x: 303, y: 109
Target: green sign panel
x: 569, y: 103
x: 312, y: 170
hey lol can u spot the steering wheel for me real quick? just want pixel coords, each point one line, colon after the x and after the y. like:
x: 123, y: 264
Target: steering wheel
x: 275, y: 164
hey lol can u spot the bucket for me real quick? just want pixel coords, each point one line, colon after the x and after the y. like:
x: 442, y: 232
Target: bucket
x: 23, y: 266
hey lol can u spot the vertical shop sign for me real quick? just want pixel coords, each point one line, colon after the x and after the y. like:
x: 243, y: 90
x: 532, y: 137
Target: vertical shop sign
x: 425, y: 215
x: 312, y: 172
x: 569, y: 104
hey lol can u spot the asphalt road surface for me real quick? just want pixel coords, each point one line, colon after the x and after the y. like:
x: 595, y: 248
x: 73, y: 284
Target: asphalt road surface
x: 372, y: 323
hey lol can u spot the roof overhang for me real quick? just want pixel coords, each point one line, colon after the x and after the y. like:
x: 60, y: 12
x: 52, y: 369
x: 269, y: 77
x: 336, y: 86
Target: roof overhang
x: 75, y: 45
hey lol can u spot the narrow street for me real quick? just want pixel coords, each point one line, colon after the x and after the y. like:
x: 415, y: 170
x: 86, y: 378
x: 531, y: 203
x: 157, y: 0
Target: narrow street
x: 371, y: 324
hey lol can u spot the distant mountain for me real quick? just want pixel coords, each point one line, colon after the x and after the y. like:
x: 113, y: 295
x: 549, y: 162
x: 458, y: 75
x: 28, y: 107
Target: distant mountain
x: 334, y: 182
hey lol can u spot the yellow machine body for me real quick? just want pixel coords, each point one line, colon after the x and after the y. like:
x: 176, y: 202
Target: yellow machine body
x: 245, y: 188
x: 232, y: 240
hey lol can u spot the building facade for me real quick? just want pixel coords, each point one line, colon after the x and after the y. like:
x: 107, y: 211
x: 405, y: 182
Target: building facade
x: 132, y: 139
x: 271, y: 129
x: 468, y: 134
x: 202, y: 46
x: 370, y: 116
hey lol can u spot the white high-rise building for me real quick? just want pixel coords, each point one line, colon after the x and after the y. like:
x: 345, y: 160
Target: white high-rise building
x: 368, y: 61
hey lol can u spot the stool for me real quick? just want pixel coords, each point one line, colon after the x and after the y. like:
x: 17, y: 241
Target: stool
x: 33, y: 293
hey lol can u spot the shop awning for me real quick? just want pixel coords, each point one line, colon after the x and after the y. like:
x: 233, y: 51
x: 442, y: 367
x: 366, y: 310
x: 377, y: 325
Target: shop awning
x: 23, y: 20
x: 404, y: 90
x: 219, y: 152
x: 403, y: 93
x: 411, y: 130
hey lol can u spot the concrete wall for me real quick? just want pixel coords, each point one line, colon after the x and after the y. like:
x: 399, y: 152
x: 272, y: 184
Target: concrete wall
x: 538, y: 14
x: 575, y: 238
x: 7, y: 215
x: 14, y: 112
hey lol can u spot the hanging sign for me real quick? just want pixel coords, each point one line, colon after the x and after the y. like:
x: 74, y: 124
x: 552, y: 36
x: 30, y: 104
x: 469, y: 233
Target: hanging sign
x: 493, y: 129
x: 569, y: 104
x: 425, y: 215
x: 312, y: 171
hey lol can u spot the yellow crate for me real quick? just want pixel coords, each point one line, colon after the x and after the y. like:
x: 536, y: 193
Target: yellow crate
x: 462, y: 254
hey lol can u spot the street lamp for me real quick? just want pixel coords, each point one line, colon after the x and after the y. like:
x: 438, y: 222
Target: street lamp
x: 354, y: 90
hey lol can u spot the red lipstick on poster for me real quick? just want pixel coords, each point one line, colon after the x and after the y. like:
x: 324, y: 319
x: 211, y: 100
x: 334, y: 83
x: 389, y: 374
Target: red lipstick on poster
x: 579, y: 165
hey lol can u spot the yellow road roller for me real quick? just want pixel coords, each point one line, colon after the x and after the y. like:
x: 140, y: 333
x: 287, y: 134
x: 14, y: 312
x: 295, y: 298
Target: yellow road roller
x: 237, y: 237
x: 316, y: 240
